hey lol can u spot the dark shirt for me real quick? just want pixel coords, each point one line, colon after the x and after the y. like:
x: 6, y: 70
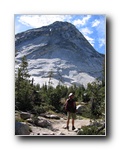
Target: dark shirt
x: 71, y: 105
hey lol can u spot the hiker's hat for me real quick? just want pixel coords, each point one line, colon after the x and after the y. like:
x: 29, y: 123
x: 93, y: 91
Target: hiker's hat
x: 70, y: 94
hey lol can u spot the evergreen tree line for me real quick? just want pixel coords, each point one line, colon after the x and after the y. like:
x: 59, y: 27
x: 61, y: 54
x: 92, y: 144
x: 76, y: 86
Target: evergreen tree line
x: 40, y: 99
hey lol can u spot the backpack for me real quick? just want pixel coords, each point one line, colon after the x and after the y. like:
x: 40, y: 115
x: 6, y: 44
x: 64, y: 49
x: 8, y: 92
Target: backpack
x: 70, y: 105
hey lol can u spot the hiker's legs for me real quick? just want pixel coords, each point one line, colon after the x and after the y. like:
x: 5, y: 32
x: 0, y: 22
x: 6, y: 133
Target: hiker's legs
x: 68, y: 119
x: 73, y: 120
x: 73, y: 116
x: 68, y: 122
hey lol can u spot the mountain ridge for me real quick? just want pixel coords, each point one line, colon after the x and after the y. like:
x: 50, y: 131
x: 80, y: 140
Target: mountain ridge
x: 60, y: 43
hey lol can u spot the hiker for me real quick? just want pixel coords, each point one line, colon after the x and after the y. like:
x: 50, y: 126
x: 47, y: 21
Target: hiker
x: 70, y: 107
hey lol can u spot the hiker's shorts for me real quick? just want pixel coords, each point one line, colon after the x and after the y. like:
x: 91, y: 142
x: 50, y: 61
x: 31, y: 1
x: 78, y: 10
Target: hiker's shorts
x: 71, y: 115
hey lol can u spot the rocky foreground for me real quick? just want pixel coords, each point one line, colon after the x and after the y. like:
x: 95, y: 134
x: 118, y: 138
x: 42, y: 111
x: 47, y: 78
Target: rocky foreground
x: 46, y: 125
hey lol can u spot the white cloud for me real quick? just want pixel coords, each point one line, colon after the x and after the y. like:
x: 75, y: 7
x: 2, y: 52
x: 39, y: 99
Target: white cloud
x: 101, y: 42
x: 86, y: 31
x: 17, y: 28
x: 95, y: 23
x: 42, y: 20
x: 91, y: 40
x: 82, y: 22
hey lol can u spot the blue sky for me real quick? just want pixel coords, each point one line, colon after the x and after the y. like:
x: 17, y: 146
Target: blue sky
x: 93, y: 27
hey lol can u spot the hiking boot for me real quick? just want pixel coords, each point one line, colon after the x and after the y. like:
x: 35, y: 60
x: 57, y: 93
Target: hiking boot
x: 67, y: 127
x: 73, y: 128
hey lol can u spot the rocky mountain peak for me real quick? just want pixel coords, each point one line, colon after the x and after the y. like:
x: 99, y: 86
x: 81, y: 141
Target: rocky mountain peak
x: 60, y: 29
x: 61, y: 48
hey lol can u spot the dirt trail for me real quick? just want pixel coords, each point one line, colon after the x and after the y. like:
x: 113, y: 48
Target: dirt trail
x: 58, y: 127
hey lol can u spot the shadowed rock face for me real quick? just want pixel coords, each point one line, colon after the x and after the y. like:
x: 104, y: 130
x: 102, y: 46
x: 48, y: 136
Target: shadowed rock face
x: 62, y: 49
x: 21, y: 128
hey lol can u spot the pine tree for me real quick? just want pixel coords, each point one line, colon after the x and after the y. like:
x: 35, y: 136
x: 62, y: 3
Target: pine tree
x: 23, y: 88
x: 24, y: 70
